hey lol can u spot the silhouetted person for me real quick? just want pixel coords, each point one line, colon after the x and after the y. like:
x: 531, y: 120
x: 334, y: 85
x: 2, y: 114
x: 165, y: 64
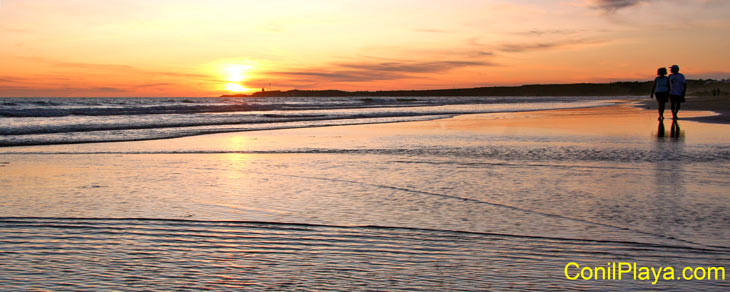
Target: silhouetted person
x: 677, y: 90
x: 660, y: 89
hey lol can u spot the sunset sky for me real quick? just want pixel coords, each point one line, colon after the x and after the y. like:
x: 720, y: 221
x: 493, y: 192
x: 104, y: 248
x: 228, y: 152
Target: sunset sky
x: 208, y: 48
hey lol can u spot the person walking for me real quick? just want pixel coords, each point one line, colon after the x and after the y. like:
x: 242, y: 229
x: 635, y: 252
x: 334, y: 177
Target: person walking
x: 677, y: 90
x: 660, y: 89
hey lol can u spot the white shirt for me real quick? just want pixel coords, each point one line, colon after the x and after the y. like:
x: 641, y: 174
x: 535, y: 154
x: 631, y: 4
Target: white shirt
x: 676, y: 84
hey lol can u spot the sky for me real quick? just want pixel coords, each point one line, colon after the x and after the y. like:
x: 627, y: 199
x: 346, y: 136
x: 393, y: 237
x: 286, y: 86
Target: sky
x: 91, y: 48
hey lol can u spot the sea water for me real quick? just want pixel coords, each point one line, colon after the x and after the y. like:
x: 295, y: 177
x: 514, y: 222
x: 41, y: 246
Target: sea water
x: 44, y: 121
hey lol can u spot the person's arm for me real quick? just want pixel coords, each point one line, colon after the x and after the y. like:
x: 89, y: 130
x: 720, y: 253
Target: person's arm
x: 653, y: 86
x: 685, y: 87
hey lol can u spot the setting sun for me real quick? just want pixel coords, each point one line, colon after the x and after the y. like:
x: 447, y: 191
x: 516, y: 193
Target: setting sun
x: 235, y: 87
x: 234, y: 74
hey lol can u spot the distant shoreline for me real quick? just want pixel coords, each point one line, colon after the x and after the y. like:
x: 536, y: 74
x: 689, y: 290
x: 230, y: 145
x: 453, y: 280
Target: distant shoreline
x: 636, y: 88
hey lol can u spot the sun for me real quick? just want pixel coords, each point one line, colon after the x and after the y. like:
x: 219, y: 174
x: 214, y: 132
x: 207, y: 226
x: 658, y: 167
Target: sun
x: 235, y: 87
x: 235, y: 74
x: 232, y: 75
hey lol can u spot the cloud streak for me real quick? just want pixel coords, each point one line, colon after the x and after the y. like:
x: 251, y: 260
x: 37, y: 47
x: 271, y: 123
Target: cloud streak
x: 414, y: 67
x: 117, y: 68
x: 610, y: 6
x: 527, y: 47
x: 544, y: 32
x: 366, y: 71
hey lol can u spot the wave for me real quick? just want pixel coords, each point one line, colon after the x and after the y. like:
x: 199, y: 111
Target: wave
x: 73, y: 107
x: 249, y: 118
x: 119, y: 133
x: 26, y: 131
x: 63, y: 107
x: 58, y: 116
x: 122, y: 111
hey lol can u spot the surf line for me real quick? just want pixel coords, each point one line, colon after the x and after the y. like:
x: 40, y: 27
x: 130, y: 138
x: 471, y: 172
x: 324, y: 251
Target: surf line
x: 488, y: 203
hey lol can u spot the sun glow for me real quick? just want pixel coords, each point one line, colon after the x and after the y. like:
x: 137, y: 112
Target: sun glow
x: 235, y: 87
x: 236, y: 72
x: 195, y: 48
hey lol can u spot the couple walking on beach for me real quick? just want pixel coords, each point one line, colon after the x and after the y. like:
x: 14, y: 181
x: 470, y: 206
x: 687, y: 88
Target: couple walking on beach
x: 672, y: 88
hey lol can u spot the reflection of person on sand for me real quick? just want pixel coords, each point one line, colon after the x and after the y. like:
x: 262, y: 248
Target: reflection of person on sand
x: 677, y: 90
x: 661, y: 90
x: 660, y: 132
x: 674, y: 132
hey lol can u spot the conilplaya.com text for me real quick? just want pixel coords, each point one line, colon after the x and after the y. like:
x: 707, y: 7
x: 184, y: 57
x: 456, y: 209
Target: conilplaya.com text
x: 632, y: 271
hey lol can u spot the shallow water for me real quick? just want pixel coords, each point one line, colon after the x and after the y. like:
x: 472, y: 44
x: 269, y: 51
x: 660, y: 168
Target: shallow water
x: 496, y: 207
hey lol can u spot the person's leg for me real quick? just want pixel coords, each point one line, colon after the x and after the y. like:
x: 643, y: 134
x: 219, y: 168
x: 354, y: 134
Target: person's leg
x: 674, y: 104
x: 676, y: 110
x: 661, y: 109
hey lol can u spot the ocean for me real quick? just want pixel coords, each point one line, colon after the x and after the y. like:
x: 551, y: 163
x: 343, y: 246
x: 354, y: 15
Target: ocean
x: 44, y: 121
x: 500, y: 200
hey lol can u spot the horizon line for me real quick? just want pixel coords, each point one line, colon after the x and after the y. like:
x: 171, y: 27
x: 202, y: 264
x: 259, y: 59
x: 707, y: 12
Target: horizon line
x: 250, y: 94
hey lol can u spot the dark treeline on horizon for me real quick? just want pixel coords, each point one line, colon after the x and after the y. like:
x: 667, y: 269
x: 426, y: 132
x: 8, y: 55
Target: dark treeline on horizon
x: 695, y: 87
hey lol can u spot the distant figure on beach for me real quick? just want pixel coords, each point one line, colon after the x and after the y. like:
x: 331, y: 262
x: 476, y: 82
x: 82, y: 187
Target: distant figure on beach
x: 660, y: 89
x: 716, y: 92
x: 677, y: 90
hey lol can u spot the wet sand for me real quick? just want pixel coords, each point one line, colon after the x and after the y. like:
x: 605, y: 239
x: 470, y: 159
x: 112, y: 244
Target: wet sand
x: 524, y: 193
x: 720, y: 105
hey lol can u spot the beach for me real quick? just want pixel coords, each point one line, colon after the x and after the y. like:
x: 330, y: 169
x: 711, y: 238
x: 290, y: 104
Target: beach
x: 489, y: 201
x: 364, y: 146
